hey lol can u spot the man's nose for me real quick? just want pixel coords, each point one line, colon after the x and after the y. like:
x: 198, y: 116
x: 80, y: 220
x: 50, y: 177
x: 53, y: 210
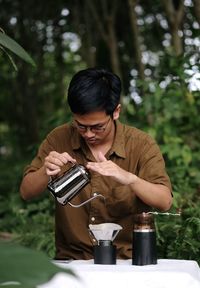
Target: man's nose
x: 89, y: 132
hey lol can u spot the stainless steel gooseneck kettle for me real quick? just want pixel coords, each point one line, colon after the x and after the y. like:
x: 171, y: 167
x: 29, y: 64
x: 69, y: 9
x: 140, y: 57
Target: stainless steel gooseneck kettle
x: 65, y: 187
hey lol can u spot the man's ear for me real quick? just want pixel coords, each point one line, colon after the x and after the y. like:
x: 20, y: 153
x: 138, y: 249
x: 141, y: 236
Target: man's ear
x: 117, y: 112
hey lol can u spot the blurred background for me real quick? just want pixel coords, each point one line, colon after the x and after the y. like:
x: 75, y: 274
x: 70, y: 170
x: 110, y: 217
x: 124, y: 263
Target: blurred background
x: 154, y: 46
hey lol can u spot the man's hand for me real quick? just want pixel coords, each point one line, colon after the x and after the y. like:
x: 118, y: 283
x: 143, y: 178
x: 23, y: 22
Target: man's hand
x: 108, y: 168
x: 54, y: 161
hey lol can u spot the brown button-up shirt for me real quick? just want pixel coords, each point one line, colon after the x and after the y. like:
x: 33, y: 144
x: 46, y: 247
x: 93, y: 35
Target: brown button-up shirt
x: 134, y: 151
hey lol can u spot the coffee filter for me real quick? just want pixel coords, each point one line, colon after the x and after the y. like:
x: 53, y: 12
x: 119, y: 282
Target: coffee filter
x: 105, y: 231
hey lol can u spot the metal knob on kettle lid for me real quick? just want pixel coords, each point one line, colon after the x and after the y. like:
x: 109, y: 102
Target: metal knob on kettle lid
x: 67, y: 186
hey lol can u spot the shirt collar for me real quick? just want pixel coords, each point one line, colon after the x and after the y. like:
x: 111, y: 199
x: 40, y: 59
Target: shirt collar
x: 118, y: 145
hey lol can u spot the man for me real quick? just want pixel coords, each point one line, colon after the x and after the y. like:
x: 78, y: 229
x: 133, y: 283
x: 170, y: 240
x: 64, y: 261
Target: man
x: 126, y: 167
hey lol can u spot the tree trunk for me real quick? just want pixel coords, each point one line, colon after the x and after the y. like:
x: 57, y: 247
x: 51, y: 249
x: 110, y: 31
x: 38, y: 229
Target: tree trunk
x: 136, y: 37
x: 27, y: 96
x: 84, y: 27
x: 90, y: 47
x: 28, y: 134
x: 112, y: 44
x: 107, y: 31
x: 175, y: 12
x: 197, y: 10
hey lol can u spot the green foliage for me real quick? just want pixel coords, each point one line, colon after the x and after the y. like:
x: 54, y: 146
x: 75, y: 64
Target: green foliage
x: 25, y: 267
x: 170, y: 115
x: 178, y: 237
x: 12, y: 45
x: 30, y: 224
x: 169, y: 112
x: 33, y: 102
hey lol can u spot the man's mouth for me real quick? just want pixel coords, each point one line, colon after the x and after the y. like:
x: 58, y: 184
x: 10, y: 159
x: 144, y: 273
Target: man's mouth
x: 90, y: 140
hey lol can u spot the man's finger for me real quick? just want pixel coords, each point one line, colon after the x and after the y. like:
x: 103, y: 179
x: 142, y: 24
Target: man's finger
x: 101, y: 157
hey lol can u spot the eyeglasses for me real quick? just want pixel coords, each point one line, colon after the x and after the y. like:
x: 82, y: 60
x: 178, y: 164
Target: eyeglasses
x: 99, y: 128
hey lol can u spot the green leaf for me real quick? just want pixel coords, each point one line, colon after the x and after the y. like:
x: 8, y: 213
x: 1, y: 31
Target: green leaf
x: 13, y: 46
x: 27, y: 267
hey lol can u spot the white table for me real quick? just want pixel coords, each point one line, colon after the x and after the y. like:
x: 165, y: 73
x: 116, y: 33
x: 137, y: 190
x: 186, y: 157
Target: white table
x: 165, y: 274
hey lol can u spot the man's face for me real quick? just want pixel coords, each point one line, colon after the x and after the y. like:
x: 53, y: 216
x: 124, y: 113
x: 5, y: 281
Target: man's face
x: 96, y: 127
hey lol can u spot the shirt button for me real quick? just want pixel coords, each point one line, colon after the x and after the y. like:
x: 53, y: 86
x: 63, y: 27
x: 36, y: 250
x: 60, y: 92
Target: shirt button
x: 92, y: 219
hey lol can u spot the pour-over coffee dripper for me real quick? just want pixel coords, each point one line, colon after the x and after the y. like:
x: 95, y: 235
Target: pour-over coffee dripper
x: 105, y: 233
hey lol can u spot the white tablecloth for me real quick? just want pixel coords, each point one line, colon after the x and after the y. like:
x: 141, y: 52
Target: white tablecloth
x: 165, y: 274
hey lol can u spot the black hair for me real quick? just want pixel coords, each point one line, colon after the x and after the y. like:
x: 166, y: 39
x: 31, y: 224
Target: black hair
x: 93, y: 90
